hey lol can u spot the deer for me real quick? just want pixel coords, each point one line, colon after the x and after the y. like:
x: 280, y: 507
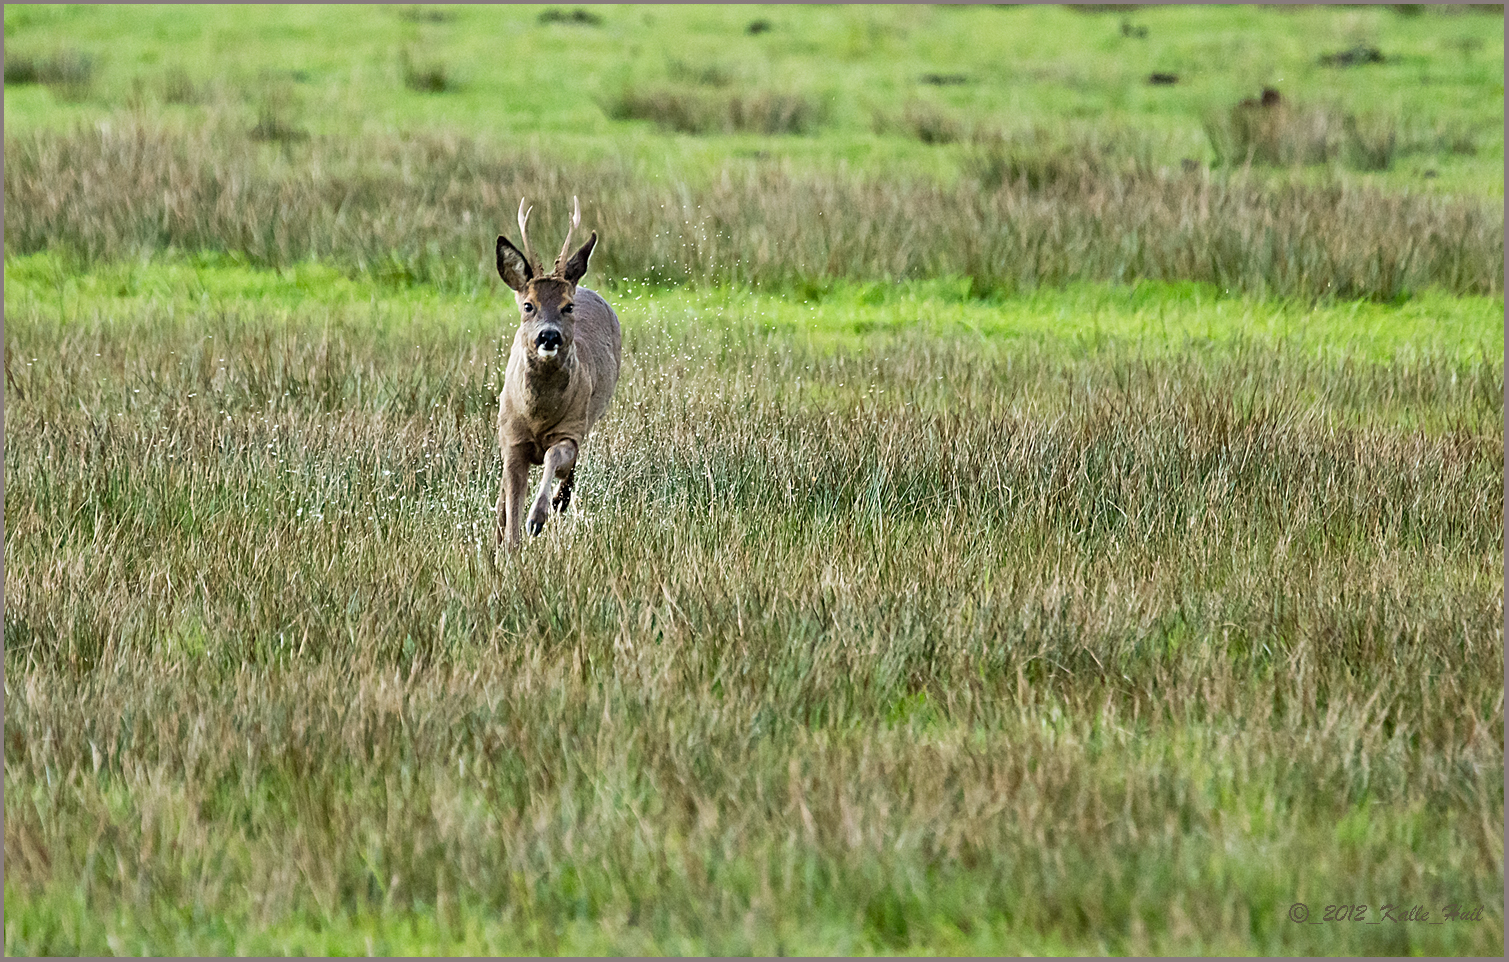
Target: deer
x: 562, y: 369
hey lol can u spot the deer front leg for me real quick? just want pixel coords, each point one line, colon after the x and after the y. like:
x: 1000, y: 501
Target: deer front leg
x: 560, y: 459
x: 511, y: 496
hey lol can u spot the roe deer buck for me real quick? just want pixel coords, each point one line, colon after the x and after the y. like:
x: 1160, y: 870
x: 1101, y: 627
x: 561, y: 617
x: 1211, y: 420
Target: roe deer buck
x: 561, y: 373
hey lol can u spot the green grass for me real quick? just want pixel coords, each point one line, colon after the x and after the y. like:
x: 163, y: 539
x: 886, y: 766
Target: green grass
x: 1155, y: 317
x: 546, y: 84
x: 1004, y: 539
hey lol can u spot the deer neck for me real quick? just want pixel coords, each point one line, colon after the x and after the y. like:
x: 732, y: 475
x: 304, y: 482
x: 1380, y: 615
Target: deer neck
x: 546, y: 385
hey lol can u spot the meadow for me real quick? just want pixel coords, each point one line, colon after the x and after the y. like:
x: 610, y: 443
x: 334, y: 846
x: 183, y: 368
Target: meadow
x: 1007, y: 537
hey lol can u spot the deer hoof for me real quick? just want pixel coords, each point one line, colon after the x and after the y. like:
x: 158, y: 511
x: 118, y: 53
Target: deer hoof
x: 536, y: 522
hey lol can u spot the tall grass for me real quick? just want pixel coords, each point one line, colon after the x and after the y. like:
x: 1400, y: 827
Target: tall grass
x: 69, y: 73
x: 1277, y: 132
x: 927, y: 644
x: 1042, y: 643
x: 426, y: 209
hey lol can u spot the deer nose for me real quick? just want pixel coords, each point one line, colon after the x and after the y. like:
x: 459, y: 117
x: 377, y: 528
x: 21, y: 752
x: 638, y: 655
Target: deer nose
x: 548, y: 340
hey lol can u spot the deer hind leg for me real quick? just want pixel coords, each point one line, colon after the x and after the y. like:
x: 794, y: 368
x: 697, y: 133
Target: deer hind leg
x: 562, y: 499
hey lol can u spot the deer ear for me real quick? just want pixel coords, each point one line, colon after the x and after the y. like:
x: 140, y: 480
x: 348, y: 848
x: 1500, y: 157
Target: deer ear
x: 577, y: 266
x: 512, y: 266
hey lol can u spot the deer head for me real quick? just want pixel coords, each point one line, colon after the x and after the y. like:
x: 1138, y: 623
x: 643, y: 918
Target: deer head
x: 545, y: 300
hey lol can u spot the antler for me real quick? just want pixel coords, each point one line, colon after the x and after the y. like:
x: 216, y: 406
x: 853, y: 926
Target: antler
x: 524, y: 233
x: 576, y: 221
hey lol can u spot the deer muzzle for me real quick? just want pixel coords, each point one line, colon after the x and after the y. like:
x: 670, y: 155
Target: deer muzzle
x: 548, y: 343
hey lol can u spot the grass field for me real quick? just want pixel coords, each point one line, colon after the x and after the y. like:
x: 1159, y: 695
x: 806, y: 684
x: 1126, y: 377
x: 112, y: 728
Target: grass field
x: 1107, y: 585
x: 557, y: 85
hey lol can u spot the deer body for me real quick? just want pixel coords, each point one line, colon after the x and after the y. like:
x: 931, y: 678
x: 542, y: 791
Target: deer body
x: 562, y: 369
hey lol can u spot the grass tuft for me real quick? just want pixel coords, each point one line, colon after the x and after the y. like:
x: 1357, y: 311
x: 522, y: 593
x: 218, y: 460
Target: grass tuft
x: 427, y: 14
x: 68, y: 73
x: 924, y: 121
x: 706, y: 75
x: 1354, y: 56
x: 1271, y: 130
x: 179, y: 88
x: 1274, y: 131
x: 426, y: 77
x: 579, y: 16
x: 274, y: 125
x: 701, y: 112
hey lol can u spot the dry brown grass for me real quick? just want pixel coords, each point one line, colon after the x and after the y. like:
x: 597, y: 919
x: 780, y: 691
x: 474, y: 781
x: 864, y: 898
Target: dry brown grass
x: 427, y: 209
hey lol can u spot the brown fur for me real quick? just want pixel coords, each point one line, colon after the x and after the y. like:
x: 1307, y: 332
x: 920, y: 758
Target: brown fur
x: 549, y: 404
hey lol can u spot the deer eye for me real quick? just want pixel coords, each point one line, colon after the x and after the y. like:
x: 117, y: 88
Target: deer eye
x: 566, y: 309
x: 528, y: 308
